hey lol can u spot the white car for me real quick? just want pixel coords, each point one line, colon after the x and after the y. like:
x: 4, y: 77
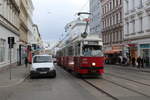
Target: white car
x: 42, y: 65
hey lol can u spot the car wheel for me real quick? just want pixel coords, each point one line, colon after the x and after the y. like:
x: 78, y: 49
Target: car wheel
x: 32, y: 76
x: 54, y: 74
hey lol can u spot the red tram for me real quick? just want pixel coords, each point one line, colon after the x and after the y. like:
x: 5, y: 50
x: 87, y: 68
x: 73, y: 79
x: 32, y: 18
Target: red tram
x: 82, y: 56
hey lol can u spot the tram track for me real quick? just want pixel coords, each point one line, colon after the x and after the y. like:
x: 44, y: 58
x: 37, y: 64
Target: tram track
x: 135, y: 91
x: 121, y: 77
x: 90, y: 84
x: 114, y: 83
x: 117, y: 87
x: 101, y: 90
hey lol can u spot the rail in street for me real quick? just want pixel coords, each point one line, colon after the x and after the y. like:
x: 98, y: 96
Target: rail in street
x: 121, y: 77
x: 116, y: 91
x: 120, y: 88
x: 101, y: 90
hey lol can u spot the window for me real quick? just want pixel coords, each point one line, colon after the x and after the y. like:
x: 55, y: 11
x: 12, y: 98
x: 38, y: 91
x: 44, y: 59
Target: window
x: 133, y: 4
x: 1, y: 7
x: 141, y: 24
x: 70, y: 51
x: 141, y: 3
x: 127, y: 3
x: 110, y: 5
x: 133, y: 23
x: 2, y: 50
x: 42, y: 59
x: 113, y: 3
x: 117, y: 2
x: 127, y: 27
x: 121, y: 37
x: 117, y: 18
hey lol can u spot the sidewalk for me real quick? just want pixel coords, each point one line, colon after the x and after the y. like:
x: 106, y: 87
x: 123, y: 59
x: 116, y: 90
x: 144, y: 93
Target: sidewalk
x: 131, y: 68
x: 18, y: 75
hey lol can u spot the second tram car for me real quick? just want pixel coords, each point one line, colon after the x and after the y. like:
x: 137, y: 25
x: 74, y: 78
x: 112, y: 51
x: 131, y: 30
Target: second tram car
x: 82, y: 56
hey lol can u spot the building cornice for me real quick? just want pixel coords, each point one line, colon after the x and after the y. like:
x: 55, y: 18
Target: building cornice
x: 137, y: 38
x: 15, y: 5
x: 15, y: 30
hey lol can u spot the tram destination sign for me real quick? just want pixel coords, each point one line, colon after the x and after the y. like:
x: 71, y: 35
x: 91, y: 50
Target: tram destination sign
x: 92, y: 42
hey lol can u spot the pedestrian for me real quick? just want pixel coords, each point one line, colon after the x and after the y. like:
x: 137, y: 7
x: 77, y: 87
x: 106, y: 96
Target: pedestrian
x: 139, y: 60
x: 26, y: 62
x: 142, y: 62
x: 133, y: 61
x: 130, y: 60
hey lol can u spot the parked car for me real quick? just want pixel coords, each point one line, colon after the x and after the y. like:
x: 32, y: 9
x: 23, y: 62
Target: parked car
x: 42, y: 65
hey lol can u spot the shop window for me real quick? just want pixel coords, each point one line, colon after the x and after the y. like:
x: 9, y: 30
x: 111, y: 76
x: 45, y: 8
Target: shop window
x: 2, y: 50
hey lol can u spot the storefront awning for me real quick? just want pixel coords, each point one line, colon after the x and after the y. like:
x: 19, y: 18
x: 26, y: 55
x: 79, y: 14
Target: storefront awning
x: 112, y: 51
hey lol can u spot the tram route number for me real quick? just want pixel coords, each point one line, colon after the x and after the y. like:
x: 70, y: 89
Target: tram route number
x: 93, y: 71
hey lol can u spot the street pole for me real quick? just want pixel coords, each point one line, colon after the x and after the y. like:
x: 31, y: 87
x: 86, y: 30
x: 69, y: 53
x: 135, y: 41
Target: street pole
x: 11, y: 42
x: 10, y: 64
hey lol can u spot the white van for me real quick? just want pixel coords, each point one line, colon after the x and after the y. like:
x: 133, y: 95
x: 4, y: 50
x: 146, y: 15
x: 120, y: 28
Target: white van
x: 42, y: 65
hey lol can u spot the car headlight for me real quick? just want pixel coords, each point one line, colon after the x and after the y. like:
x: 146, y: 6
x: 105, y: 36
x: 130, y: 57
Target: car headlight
x: 93, y: 64
x: 33, y: 69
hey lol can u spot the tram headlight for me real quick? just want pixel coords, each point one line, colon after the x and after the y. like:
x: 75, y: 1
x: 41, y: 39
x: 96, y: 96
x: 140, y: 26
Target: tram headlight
x: 93, y: 64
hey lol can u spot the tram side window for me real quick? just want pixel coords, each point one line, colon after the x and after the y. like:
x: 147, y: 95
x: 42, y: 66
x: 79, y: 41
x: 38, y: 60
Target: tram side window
x: 77, y: 50
x: 70, y: 51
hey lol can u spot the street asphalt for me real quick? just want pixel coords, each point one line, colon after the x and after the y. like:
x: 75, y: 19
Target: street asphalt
x: 120, y: 83
x: 63, y: 87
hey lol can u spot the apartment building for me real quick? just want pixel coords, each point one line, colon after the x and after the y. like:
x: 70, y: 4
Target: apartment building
x: 9, y: 27
x: 137, y: 28
x: 112, y: 29
x: 95, y: 22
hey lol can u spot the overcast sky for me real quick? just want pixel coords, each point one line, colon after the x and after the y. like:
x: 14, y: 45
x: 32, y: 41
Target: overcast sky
x: 52, y: 15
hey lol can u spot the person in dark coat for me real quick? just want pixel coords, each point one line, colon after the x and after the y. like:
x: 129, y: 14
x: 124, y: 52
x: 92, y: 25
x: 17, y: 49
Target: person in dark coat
x: 142, y: 62
x: 139, y: 60
x: 133, y: 61
x: 26, y: 61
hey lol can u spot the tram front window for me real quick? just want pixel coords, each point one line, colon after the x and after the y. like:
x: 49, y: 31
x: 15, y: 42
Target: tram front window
x: 92, y: 51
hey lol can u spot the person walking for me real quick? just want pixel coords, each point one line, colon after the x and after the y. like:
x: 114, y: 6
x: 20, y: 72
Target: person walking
x: 139, y: 60
x: 142, y: 62
x: 26, y: 62
x: 133, y: 61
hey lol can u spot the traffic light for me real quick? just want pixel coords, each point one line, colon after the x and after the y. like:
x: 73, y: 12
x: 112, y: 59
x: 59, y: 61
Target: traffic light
x: 11, y: 42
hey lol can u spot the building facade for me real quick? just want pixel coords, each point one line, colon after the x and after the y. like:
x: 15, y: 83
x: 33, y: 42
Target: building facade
x: 36, y: 44
x: 9, y: 27
x: 137, y: 28
x: 30, y: 22
x: 112, y: 30
x: 95, y: 17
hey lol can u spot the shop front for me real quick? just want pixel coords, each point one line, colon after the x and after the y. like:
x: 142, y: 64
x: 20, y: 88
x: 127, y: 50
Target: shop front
x: 112, y: 55
x: 145, y: 53
x: 133, y: 50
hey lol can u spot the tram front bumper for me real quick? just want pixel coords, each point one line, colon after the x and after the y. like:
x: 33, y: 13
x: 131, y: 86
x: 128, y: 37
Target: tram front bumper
x: 91, y: 70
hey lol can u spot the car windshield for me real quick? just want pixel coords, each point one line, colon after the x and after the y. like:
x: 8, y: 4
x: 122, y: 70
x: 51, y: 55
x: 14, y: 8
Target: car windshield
x: 92, y: 51
x: 42, y: 59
